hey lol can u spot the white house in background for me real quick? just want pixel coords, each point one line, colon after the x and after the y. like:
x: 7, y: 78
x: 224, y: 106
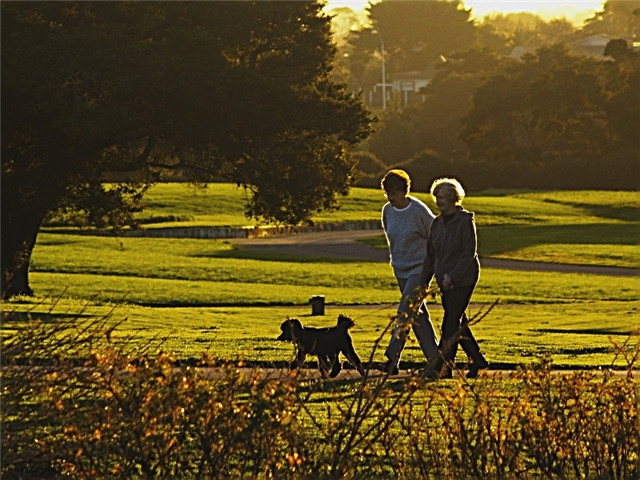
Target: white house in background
x: 593, y: 45
x: 405, y: 85
x: 520, y: 51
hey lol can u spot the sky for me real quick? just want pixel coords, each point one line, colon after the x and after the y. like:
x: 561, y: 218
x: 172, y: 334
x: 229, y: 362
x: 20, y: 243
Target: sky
x: 575, y: 11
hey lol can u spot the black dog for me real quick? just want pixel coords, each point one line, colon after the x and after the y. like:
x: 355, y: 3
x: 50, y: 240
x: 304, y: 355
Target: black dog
x: 326, y: 343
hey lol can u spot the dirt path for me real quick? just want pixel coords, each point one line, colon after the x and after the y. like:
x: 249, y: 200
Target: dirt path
x: 345, y: 244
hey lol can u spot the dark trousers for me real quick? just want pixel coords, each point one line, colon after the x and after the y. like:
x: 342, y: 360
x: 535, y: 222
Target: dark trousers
x: 454, y: 302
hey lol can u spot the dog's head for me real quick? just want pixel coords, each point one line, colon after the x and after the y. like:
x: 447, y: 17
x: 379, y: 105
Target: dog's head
x: 345, y: 322
x: 290, y: 329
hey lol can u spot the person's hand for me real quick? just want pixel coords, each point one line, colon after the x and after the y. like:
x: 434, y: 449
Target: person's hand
x: 447, y: 284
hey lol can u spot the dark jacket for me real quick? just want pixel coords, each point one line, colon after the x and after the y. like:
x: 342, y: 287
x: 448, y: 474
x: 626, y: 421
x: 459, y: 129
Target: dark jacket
x: 452, y: 250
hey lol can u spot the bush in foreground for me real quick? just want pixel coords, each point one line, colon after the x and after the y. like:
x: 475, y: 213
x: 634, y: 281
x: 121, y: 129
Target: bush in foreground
x: 76, y: 405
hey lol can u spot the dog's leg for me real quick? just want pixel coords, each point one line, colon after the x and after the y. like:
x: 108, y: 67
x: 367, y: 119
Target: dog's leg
x: 323, y: 365
x: 336, y: 365
x: 299, y: 360
x: 353, y: 358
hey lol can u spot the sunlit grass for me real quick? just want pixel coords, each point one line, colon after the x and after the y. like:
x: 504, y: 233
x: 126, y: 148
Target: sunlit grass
x: 578, y: 334
x: 183, y: 272
x: 210, y: 295
x: 577, y: 227
x: 618, y: 256
x: 508, y: 285
x: 223, y: 204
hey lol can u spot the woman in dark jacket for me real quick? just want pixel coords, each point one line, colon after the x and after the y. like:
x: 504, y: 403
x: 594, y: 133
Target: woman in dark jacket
x: 452, y: 257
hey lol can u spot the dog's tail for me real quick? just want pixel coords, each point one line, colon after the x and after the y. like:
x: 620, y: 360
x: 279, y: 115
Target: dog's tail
x: 345, y: 322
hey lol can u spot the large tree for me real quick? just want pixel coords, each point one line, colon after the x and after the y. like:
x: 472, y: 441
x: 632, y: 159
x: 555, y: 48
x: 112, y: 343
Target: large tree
x: 617, y: 19
x: 233, y: 90
x: 414, y: 33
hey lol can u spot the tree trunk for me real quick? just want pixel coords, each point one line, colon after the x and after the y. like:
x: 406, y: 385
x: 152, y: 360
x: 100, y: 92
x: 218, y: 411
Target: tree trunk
x: 18, y: 240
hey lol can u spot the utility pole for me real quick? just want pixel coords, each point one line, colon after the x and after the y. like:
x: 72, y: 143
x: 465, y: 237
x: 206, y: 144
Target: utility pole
x: 384, y: 77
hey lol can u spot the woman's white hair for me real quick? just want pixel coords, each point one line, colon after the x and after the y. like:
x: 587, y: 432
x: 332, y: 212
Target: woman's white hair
x: 451, y: 186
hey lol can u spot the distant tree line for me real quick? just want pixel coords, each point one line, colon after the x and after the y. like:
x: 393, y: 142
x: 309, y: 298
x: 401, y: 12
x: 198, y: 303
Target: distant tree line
x: 550, y: 119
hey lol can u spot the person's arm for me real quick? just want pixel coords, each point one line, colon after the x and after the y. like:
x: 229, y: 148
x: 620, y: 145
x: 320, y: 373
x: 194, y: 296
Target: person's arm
x: 468, y: 253
x: 427, y: 266
x: 425, y: 221
x: 383, y: 215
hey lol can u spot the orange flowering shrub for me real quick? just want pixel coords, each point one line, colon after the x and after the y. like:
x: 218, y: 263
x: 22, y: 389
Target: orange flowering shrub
x: 76, y: 405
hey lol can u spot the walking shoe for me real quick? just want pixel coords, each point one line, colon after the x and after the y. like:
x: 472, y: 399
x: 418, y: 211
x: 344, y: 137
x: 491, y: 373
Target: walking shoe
x: 433, y: 374
x: 475, y: 367
x: 390, y: 368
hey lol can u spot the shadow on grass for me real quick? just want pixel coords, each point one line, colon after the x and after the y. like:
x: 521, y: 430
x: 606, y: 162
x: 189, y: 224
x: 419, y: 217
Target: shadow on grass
x: 47, y: 318
x: 268, y: 256
x: 582, y: 351
x: 498, y: 239
x: 627, y: 213
x: 585, y: 331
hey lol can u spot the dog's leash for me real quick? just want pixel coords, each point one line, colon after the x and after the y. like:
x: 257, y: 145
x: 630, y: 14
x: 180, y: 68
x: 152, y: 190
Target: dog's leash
x: 372, y: 312
x: 424, y: 293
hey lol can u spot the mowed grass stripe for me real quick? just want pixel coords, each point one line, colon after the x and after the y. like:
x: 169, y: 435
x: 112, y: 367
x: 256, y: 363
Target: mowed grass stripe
x: 581, y: 334
x: 508, y: 286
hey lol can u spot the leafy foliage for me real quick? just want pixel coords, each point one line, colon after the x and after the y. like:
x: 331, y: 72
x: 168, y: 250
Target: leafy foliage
x: 547, y: 120
x: 550, y: 120
x: 617, y: 19
x: 434, y: 126
x: 88, y: 408
x: 414, y: 35
x: 496, y: 118
x: 233, y: 90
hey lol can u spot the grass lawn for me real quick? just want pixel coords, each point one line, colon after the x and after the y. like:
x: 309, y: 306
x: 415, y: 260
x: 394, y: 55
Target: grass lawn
x: 578, y: 334
x: 583, y: 227
x: 195, y: 297
x: 209, y: 295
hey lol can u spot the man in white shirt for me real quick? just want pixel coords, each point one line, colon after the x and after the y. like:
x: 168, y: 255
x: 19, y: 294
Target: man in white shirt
x: 406, y: 222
